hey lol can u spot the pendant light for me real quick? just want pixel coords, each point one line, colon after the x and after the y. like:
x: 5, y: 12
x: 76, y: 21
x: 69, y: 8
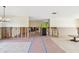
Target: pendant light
x: 4, y: 18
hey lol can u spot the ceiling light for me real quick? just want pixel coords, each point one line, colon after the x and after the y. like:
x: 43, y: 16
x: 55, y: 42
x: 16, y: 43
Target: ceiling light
x: 4, y: 18
x: 54, y: 13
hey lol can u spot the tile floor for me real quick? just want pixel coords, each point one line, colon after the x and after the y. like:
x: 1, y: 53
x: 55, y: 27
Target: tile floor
x: 44, y: 44
x: 67, y: 45
x: 35, y: 44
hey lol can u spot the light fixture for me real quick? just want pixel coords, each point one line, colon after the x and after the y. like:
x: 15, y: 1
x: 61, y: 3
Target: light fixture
x: 4, y: 18
x: 54, y: 13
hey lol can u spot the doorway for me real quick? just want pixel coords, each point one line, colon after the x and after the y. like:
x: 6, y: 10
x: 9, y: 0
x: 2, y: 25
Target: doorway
x: 34, y: 31
x: 44, y: 28
x: 39, y: 27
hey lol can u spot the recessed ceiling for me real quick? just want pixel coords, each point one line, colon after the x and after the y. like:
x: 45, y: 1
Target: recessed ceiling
x: 40, y: 12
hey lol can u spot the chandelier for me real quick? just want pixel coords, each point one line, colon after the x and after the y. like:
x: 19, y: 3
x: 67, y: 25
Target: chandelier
x: 4, y: 18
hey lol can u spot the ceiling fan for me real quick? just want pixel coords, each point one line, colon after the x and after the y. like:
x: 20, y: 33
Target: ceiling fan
x: 4, y: 18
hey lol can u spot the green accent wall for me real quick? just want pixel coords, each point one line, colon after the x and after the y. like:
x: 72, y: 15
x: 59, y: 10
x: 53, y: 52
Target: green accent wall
x: 44, y: 25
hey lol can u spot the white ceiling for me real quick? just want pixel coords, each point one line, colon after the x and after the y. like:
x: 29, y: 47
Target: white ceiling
x: 40, y: 12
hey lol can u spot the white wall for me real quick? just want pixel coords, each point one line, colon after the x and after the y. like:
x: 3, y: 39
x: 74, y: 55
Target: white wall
x: 17, y: 21
x: 67, y: 25
x: 62, y: 21
x: 66, y: 31
x: 35, y: 23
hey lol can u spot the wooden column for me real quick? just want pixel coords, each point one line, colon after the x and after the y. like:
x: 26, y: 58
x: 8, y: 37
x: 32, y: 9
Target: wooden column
x: 11, y: 32
x: 0, y: 33
x: 8, y: 31
x: 27, y: 32
x: 50, y: 31
x: 16, y: 32
x: 24, y: 31
x: 21, y: 32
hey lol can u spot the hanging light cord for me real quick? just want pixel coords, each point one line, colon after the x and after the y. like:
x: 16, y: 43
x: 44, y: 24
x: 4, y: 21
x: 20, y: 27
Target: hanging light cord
x: 4, y: 11
x: 4, y: 16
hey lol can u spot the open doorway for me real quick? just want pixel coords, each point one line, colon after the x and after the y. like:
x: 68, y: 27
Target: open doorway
x: 44, y: 29
x: 39, y: 27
